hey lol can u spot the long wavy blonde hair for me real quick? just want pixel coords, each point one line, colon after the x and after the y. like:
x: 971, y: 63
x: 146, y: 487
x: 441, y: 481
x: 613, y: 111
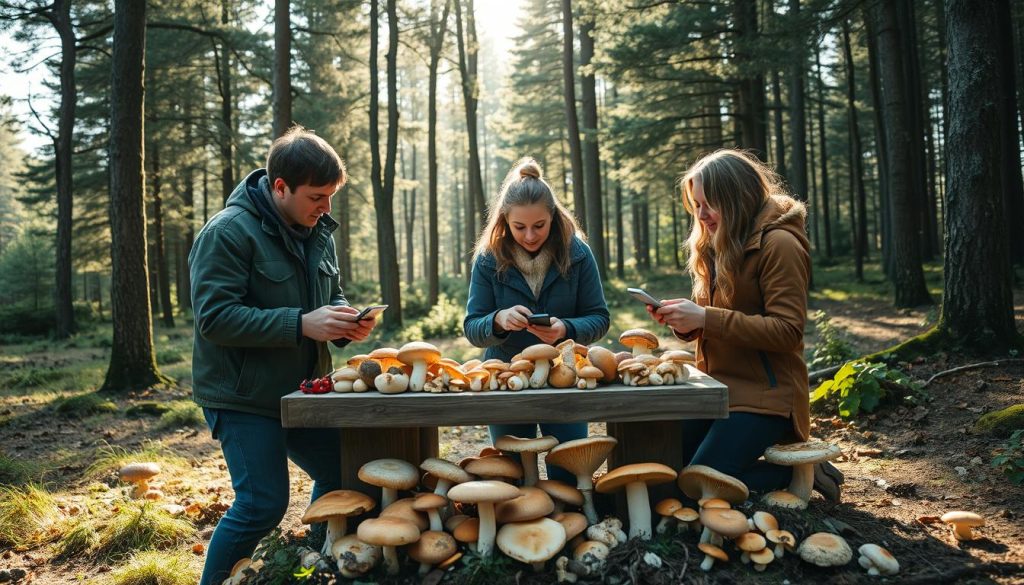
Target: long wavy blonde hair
x: 736, y: 185
x: 525, y: 185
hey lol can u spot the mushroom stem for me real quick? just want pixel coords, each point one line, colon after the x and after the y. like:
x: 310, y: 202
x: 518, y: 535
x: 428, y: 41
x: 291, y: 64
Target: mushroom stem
x: 419, y: 375
x: 707, y: 563
x: 143, y: 486
x: 639, y: 510
x: 388, y: 497
x: 424, y: 568
x: 803, y: 481
x: 780, y: 550
x: 485, y: 538
x: 435, y: 520
x: 391, y: 559
x: 443, y: 485
x: 336, y: 527
x: 540, y: 373
x: 585, y: 483
x: 963, y: 532
x: 662, y: 526
x: 529, y: 468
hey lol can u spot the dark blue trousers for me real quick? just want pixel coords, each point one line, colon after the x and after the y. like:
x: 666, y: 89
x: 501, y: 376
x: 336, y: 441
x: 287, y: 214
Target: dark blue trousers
x: 732, y: 445
x: 257, y: 449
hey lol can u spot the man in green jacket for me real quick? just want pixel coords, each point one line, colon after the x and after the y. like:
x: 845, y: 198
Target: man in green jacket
x: 267, y: 296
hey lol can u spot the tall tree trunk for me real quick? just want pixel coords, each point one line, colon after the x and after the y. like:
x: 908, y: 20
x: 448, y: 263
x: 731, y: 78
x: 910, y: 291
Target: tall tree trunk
x: 384, y: 187
x: 675, y: 235
x: 977, y: 308
x: 60, y: 17
x: 815, y: 211
x: 437, y: 29
x: 572, y: 124
x: 226, y: 126
x: 163, y: 274
x: 1013, y: 189
x: 188, y: 200
x: 751, y: 102
x: 591, y: 149
x: 712, y: 135
x: 132, y: 358
x: 797, y: 112
x: 282, y: 67
x: 823, y: 148
x: 468, y: 50
x: 857, y: 170
x: 908, y: 276
x: 881, y: 148
x: 410, y: 222
x: 780, y: 139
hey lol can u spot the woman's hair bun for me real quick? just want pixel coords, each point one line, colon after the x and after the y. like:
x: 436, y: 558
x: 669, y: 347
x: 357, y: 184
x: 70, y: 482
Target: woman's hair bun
x: 529, y: 168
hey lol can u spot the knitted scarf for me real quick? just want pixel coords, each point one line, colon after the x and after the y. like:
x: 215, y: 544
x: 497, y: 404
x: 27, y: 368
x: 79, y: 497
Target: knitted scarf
x: 533, y: 268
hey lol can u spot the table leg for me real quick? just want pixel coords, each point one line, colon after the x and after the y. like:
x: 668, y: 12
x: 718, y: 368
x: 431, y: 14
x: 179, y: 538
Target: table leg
x: 659, y: 441
x: 361, y: 445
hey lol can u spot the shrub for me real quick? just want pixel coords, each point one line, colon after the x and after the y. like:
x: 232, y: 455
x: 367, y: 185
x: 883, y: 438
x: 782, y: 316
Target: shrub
x: 1009, y: 457
x: 832, y: 347
x: 166, y: 357
x: 443, y: 321
x: 862, y: 386
x: 181, y: 414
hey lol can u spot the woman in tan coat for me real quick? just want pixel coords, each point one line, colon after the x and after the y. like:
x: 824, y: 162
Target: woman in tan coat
x: 750, y: 264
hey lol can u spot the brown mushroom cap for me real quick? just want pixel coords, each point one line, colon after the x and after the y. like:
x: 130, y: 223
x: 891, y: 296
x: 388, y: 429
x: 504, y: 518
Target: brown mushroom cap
x: 825, y: 550
x: 581, y: 456
x: 686, y: 515
x: 728, y: 523
x: 445, y: 469
x: 561, y: 491
x: 783, y: 499
x: 590, y: 372
x: 524, y: 445
x: 531, y: 504
x: 496, y: 466
x: 668, y: 507
x: 649, y: 473
x: 390, y: 473
x: 713, y: 551
x: 476, y: 492
x: 425, y: 502
x: 467, y: 531
x: 403, y: 509
x: 801, y: 453
x: 639, y: 337
x: 532, y: 542
x: 561, y: 376
x: 338, y: 503
x: 604, y: 360
x: 963, y: 517
x: 763, y: 556
x: 751, y: 542
x: 386, y: 357
x: 764, y: 521
x: 388, y: 531
x: 432, y: 547
x: 573, y: 522
x: 134, y: 472
x: 540, y: 351
x: 699, y: 481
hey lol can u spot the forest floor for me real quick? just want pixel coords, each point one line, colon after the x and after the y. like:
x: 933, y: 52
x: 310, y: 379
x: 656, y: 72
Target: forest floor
x: 905, y: 465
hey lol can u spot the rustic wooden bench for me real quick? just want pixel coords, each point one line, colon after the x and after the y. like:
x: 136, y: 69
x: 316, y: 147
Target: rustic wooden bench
x: 644, y: 419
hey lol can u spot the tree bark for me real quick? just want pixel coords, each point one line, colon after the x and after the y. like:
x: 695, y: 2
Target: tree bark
x: 163, y: 274
x: 823, y: 153
x: 60, y: 18
x: 797, y: 112
x: 132, y: 359
x: 591, y: 149
x: 226, y: 126
x: 857, y: 168
x: 977, y: 308
x: 904, y: 190
x: 437, y: 30
x: 881, y: 148
x: 468, y: 50
x: 1011, y: 166
x: 780, y: 139
x: 751, y: 95
x: 571, y: 120
x: 282, y: 67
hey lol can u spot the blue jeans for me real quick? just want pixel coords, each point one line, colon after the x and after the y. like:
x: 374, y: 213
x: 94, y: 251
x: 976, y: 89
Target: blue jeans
x: 257, y: 449
x: 561, y: 431
x: 732, y: 446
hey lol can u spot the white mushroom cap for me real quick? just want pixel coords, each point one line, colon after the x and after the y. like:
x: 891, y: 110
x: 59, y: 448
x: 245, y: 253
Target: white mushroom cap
x: 485, y: 494
x: 388, y: 532
x: 446, y: 472
x: 139, y: 474
x: 528, y: 450
x: 635, y: 478
x: 962, y: 522
x: 391, y: 475
x: 701, y: 481
x: 418, y: 354
x: 532, y: 542
x: 802, y: 457
x: 880, y: 560
x: 825, y: 550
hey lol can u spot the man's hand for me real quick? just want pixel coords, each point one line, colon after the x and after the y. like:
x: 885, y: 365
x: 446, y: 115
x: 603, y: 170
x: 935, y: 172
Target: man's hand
x: 679, y: 314
x: 512, y: 319
x: 332, y: 322
x: 549, y: 334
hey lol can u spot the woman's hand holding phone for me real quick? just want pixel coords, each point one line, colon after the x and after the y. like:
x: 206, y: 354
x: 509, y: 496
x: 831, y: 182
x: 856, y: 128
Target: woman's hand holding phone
x: 551, y: 333
x: 512, y: 319
x: 682, y: 315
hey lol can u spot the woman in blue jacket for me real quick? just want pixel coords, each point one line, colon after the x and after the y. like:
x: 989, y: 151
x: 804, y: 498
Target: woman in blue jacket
x: 531, y: 258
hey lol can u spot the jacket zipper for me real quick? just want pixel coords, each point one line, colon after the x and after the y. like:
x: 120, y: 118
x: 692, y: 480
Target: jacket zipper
x: 772, y: 381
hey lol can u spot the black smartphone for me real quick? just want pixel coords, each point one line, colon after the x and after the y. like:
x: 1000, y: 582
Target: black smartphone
x: 642, y: 296
x: 370, y: 312
x: 542, y: 319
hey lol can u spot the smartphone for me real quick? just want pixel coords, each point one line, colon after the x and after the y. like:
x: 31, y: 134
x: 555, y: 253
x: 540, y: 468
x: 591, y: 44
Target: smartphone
x: 370, y: 312
x: 642, y: 296
x: 542, y: 319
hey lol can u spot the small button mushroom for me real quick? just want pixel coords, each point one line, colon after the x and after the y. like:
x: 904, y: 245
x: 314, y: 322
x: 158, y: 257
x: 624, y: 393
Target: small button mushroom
x: 722, y: 523
x: 139, y: 474
x: 561, y: 492
x: 825, y: 550
x: 783, y: 541
x: 573, y: 522
x: 640, y: 341
x: 749, y: 543
x: 877, y: 560
x: 687, y: 519
x: 712, y: 553
x: 962, y: 522
x: 432, y: 548
x: 666, y: 509
x: 477, y: 378
x: 588, y: 377
x: 391, y: 383
x: 355, y: 558
x: 762, y: 558
x: 388, y: 533
x: 446, y: 472
x: 541, y: 355
x: 763, y: 522
x: 593, y: 555
x: 431, y: 504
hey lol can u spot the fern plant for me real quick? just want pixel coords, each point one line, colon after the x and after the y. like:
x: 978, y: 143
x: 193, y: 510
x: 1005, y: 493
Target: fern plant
x: 862, y: 386
x: 1009, y: 458
x: 832, y: 347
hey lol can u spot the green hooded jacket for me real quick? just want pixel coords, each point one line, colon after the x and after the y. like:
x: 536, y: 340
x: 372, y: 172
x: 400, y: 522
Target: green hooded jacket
x: 250, y: 285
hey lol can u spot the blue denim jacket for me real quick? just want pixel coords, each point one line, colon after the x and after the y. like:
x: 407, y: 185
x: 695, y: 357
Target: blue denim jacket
x: 577, y: 299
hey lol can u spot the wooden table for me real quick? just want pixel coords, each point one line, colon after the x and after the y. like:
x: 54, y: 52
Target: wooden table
x: 645, y: 419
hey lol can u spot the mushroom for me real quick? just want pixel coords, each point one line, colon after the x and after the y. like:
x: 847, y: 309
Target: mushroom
x: 484, y: 494
x: 877, y: 560
x: 344, y: 379
x: 532, y: 542
x: 574, y: 523
x: 825, y: 550
x: 561, y: 492
x: 783, y: 499
x: 495, y: 368
x: 763, y: 522
x: 687, y: 518
x: 562, y: 572
x: 679, y: 358
x: 468, y: 532
x: 431, y: 504
x: 962, y: 522
x: 522, y: 370
x: 582, y: 457
x: 335, y: 507
x: 390, y: 475
x: 446, y: 472
x: 701, y: 481
x: 388, y: 533
x: 608, y: 533
x: 354, y: 557
x: 592, y: 555
x: 497, y: 467
x: 711, y: 554
x: 391, y: 383
x: 432, y: 548
x: 801, y: 457
x: 368, y: 372
x: 640, y: 341
x: 528, y: 450
x: 139, y: 474
x: 541, y: 355
x: 531, y: 504
x: 561, y: 376
x: 418, y: 354
x: 666, y: 509
x: 588, y: 377
x: 477, y: 376
x: 783, y: 541
x: 635, y: 478
x: 748, y: 543
x: 719, y: 523
x: 604, y: 360
x: 403, y: 509
x: 762, y: 558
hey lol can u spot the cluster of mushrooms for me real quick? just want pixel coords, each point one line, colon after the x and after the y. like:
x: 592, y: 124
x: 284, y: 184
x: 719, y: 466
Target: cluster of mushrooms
x: 495, y: 502
x: 419, y: 367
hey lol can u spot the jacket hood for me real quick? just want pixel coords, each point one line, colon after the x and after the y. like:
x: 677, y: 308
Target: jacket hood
x: 781, y: 212
x: 251, y: 184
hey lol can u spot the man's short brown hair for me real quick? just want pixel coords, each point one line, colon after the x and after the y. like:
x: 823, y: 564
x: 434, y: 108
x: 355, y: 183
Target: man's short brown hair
x: 300, y: 157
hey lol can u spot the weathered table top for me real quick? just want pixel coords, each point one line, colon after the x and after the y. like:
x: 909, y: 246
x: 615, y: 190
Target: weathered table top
x: 700, y: 397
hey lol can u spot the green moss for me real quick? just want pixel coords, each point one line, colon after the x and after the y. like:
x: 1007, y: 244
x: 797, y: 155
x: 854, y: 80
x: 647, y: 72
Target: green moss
x: 1001, y: 423
x: 147, y: 408
x: 84, y: 405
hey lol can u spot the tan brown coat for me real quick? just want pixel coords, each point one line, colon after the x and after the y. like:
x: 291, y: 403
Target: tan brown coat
x: 754, y: 344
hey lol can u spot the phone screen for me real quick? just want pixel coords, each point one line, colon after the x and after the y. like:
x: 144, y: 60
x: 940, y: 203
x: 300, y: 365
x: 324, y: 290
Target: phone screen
x: 643, y: 296
x: 540, y: 319
x: 370, y: 312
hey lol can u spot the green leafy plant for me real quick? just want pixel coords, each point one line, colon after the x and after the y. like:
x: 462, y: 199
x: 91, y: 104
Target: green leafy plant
x: 1009, y: 457
x: 443, y: 321
x: 832, y: 347
x: 280, y: 559
x: 862, y: 386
